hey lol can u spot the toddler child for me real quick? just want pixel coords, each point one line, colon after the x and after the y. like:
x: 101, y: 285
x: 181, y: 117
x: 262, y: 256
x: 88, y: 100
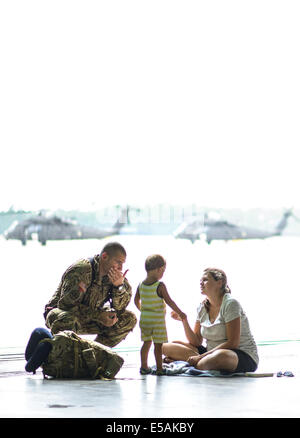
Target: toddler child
x: 150, y: 298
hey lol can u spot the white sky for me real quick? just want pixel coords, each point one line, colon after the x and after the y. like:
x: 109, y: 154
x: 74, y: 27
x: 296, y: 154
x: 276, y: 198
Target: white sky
x: 122, y: 101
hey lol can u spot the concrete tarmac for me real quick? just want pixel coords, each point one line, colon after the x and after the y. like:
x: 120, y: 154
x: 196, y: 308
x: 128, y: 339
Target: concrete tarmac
x: 131, y: 395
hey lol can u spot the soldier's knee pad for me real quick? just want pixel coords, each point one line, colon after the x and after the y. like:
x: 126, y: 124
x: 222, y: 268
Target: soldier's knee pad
x: 52, y: 316
x: 127, y: 319
x: 58, y: 320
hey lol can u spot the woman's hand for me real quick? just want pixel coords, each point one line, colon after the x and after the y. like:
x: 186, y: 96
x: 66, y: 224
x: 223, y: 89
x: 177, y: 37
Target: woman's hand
x: 175, y: 315
x: 193, y: 360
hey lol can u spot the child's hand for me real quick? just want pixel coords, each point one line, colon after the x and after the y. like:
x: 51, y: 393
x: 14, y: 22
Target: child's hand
x: 182, y: 316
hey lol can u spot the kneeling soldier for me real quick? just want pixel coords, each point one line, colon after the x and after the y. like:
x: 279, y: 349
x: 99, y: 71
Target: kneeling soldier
x: 92, y: 298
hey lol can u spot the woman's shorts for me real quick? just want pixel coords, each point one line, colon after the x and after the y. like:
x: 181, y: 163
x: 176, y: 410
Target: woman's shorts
x: 201, y: 349
x: 245, y: 363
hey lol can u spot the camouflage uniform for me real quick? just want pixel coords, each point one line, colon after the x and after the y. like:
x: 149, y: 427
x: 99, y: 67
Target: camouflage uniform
x: 79, y: 312
x: 74, y: 357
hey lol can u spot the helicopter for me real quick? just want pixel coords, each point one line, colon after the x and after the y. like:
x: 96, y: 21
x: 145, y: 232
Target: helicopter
x: 45, y: 227
x: 222, y: 230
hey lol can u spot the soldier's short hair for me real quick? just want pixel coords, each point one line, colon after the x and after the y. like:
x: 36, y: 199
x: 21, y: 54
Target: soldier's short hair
x: 154, y: 261
x: 112, y: 248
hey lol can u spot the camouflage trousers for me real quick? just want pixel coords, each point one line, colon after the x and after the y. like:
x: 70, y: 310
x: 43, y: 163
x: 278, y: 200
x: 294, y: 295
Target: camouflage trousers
x: 58, y: 320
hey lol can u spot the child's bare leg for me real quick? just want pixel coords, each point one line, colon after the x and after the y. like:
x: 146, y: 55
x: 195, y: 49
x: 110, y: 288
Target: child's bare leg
x: 158, y: 356
x: 144, y: 354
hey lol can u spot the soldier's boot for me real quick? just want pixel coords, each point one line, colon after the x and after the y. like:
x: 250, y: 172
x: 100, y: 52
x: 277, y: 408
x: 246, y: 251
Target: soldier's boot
x: 58, y: 320
x: 112, y: 336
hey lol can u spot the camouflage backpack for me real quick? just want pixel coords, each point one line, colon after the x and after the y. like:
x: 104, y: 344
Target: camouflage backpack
x: 74, y: 357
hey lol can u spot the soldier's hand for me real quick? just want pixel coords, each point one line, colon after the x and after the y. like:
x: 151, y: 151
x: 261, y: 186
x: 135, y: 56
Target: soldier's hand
x: 116, y: 277
x: 108, y: 319
x: 82, y: 287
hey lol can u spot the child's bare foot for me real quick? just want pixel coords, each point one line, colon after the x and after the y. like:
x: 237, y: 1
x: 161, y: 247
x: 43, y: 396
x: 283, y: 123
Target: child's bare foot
x: 166, y: 359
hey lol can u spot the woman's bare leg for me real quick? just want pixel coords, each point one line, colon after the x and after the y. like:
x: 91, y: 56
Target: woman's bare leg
x: 219, y: 360
x: 179, y: 350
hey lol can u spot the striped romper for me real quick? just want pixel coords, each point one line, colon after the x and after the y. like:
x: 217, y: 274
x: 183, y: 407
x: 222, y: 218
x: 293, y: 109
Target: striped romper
x: 153, y: 310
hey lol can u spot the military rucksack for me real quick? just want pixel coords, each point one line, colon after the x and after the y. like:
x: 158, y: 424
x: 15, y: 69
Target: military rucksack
x: 74, y: 357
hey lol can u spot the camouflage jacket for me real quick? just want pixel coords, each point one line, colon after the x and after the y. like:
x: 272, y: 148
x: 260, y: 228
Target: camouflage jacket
x: 69, y: 295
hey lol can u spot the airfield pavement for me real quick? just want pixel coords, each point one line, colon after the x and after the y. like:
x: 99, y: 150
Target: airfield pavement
x: 132, y: 396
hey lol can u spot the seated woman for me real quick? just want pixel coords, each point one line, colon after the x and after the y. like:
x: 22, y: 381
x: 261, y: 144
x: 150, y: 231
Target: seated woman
x: 224, y: 325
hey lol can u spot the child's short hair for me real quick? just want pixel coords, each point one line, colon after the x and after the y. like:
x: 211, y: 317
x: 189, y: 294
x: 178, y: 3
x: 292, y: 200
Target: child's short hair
x: 154, y: 261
